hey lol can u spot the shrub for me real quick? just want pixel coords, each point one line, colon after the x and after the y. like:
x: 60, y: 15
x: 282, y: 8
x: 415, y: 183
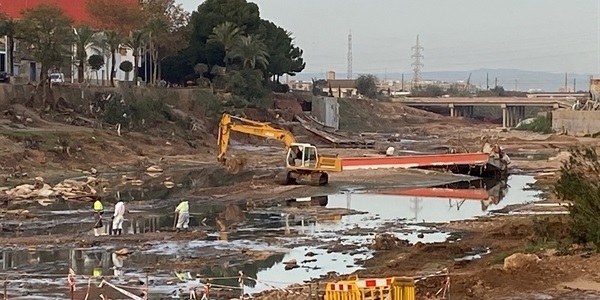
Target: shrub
x: 541, y: 124
x: 579, y: 182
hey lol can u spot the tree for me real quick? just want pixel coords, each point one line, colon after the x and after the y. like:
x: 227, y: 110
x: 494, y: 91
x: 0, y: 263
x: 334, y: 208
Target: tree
x: 366, y: 85
x: 251, y: 51
x: 48, y: 35
x: 213, y: 28
x: 227, y: 35
x: 167, y: 35
x: 96, y: 62
x: 284, y: 57
x: 8, y: 28
x: 247, y: 83
x: 85, y: 37
x: 121, y: 16
x: 126, y: 66
x: 201, y: 70
x: 210, y: 14
x: 135, y: 41
x: 113, y: 40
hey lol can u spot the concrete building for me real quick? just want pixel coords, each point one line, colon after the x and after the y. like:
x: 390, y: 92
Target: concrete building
x: 327, y: 111
x: 300, y: 85
x: 124, y: 54
x: 341, y: 88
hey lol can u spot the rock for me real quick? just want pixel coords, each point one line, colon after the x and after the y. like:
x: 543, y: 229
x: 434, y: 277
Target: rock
x: 520, y: 261
x: 291, y: 267
x: 310, y: 254
x: 390, y: 151
x: 93, y: 171
x: 291, y: 262
x: 136, y: 182
x: 40, y: 179
x: 169, y: 184
x: 387, y: 241
x: 420, y: 235
x: 154, y: 169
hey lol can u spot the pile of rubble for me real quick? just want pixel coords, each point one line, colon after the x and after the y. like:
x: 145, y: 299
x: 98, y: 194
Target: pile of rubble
x: 69, y: 188
x: 388, y: 241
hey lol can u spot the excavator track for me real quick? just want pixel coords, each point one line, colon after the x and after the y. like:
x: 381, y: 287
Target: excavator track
x: 316, y: 179
x: 319, y: 179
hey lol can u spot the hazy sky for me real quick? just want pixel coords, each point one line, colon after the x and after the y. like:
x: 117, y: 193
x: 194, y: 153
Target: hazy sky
x: 539, y: 35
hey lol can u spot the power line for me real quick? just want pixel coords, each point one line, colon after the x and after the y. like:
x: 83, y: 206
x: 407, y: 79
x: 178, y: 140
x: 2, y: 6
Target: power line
x: 417, y: 63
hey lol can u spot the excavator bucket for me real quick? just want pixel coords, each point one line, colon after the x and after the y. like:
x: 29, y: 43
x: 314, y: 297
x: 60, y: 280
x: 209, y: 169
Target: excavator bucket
x: 234, y: 165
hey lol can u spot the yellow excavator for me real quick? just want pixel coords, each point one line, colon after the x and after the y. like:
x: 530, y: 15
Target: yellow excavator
x: 303, y: 161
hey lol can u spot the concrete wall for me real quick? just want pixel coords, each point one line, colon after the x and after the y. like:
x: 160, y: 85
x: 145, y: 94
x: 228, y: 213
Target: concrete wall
x: 576, y: 122
x: 326, y: 110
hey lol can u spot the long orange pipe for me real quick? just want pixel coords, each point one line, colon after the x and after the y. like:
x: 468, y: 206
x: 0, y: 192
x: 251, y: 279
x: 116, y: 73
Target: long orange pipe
x: 414, y: 161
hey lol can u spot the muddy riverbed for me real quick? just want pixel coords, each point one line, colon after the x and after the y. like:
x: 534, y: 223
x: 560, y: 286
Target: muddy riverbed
x: 322, y: 234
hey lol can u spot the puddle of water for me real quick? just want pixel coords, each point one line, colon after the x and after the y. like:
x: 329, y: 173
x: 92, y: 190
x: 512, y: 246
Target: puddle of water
x: 435, y: 209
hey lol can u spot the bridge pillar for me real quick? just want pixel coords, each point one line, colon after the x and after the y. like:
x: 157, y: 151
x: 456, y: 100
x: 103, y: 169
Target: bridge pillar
x: 452, y: 111
x: 512, y: 115
x: 520, y: 114
x: 504, y: 115
x: 469, y: 111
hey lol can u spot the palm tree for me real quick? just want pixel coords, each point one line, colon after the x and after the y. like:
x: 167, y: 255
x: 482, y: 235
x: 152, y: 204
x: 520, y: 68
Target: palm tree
x: 226, y: 34
x: 85, y: 37
x: 8, y: 28
x: 113, y: 40
x: 135, y: 41
x: 252, y: 51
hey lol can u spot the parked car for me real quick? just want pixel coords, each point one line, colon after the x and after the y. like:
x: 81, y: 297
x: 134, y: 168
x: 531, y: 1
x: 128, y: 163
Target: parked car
x: 4, y: 77
x: 57, y: 78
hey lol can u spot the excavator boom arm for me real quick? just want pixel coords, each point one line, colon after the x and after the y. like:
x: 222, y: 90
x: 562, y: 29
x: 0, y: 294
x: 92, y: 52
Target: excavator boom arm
x: 250, y: 127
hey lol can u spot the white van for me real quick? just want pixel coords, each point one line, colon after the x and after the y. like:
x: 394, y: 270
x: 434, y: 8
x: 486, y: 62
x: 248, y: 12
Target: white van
x: 57, y: 78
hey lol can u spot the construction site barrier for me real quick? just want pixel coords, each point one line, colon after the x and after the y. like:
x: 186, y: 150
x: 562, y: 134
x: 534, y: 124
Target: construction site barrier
x: 397, y: 288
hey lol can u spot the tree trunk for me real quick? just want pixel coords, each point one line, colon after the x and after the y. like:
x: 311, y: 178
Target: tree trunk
x: 81, y: 67
x: 155, y: 67
x: 10, y: 55
x: 160, y: 70
x: 112, y: 66
x: 43, y: 84
x: 136, y: 70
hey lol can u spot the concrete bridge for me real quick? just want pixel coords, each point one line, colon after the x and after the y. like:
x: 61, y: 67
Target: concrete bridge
x: 513, y: 108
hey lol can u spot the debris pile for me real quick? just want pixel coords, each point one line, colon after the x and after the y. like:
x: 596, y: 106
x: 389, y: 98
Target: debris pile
x: 69, y: 188
x: 388, y: 241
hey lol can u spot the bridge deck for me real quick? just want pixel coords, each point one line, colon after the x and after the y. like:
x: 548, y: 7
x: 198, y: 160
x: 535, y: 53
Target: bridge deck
x: 496, y: 101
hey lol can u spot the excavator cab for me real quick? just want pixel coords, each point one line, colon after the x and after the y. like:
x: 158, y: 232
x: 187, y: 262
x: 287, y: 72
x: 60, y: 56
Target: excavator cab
x: 301, y: 156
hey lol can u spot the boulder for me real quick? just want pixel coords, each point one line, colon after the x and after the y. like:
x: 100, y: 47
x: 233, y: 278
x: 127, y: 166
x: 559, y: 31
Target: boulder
x: 520, y: 261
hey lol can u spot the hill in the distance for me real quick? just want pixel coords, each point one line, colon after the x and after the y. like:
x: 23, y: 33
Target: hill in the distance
x: 510, y: 79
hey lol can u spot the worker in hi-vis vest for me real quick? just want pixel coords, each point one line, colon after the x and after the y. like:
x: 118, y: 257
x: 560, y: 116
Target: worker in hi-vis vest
x: 183, y: 215
x: 98, y: 213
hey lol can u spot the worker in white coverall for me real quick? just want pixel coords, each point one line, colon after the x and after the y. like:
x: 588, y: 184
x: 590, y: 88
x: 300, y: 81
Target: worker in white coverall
x: 117, y: 219
x: 183, y: 212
